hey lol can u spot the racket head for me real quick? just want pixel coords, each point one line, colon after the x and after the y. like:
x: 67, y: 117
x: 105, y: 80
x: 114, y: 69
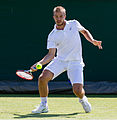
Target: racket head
x: 24, y: 74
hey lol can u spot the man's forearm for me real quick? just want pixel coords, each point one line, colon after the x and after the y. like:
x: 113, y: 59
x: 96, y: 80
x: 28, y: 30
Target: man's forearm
x: 46, y: 59
x: 88, y: 36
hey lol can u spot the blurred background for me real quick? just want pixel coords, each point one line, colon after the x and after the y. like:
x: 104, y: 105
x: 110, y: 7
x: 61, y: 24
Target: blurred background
x: 24, y: 28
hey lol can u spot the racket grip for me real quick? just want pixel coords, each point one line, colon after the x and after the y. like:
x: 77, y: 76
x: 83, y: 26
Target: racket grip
x: 32, y: 70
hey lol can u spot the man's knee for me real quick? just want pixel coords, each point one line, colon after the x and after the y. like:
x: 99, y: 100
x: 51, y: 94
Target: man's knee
x: 45, y: 76
x: 77, y: 88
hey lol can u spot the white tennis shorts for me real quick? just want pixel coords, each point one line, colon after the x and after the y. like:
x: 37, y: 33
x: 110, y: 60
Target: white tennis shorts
x: 74, y: 69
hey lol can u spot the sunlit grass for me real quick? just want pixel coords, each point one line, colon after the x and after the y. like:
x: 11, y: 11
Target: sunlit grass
x: 60, y: 108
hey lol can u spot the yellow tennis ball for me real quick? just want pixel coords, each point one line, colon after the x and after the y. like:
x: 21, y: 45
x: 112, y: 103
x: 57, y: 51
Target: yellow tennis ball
x: 39, y: 66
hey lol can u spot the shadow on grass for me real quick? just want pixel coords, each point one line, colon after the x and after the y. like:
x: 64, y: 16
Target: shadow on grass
x: 42, y: 115
x: 60, y: 95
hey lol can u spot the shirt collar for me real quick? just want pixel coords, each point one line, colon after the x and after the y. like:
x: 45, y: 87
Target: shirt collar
x: 64, y: 27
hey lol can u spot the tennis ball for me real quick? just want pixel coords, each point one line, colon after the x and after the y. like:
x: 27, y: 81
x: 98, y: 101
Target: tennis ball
x: 39, y: 66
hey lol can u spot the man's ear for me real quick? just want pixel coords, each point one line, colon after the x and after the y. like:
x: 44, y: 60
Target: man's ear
x: 65, y: 16
x: 53, y: 16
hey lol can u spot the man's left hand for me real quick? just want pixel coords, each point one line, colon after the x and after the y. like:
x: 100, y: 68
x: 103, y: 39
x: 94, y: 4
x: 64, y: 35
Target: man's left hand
x: 97, y: 43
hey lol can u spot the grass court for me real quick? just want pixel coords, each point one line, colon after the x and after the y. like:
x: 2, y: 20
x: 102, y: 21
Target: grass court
x: 61, y: 107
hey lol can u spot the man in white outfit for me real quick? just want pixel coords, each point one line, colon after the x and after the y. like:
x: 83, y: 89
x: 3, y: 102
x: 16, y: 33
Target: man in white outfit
x: 64, y: 38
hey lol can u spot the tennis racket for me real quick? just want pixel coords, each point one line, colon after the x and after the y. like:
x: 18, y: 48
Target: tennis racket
x: 27, y: 74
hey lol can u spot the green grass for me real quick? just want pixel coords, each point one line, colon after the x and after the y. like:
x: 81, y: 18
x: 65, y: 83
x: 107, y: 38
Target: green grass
x: 15, y: 107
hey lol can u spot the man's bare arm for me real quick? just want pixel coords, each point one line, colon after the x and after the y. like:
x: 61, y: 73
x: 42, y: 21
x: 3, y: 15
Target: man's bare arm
x: 89, y: 37
x: 46, y: 59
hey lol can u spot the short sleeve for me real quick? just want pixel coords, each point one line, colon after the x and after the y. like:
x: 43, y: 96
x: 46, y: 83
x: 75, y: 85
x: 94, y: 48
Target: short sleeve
x: 50, y: 42
x: 79, y: 26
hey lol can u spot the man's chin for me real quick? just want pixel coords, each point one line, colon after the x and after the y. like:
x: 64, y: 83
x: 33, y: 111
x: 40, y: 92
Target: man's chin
x: 59, y: 24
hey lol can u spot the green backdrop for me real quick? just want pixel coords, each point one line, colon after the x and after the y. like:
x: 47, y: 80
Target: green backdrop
x: 25, y: 25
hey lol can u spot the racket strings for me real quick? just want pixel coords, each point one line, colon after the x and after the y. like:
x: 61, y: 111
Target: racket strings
x: 25, y: 75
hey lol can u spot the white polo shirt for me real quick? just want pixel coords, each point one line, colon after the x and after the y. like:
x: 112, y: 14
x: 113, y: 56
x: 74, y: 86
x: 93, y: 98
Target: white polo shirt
x: 67, y: 41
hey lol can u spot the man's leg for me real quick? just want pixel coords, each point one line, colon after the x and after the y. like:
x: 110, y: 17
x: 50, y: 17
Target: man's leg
x: 75, y: 74
x: 51, y: 71
x: 79, y: 92
x: 43, y: 80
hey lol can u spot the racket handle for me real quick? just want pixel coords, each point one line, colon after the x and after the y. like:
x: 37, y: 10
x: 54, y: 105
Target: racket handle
x: 28, y: 71
x: 32, y: 70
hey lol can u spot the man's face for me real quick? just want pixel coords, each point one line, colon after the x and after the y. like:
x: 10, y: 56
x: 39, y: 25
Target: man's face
x: 59, y: 18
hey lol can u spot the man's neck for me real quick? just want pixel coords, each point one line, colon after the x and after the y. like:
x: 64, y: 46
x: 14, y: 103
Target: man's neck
x: 61, y: 27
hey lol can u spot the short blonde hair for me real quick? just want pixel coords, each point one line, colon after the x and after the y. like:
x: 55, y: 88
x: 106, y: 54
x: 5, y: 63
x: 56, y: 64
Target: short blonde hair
x: 59, y: 9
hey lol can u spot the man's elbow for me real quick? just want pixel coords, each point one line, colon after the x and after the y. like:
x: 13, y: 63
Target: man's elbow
x: 84, y: 32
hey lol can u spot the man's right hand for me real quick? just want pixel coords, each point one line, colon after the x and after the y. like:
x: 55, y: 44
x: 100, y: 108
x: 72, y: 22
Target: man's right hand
x: 33, y: 68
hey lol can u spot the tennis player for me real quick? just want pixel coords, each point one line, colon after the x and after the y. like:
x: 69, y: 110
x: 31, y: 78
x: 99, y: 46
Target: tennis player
x: 64, y: 38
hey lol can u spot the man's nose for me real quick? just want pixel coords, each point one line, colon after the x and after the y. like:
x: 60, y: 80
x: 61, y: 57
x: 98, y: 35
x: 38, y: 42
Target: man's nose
x: 59, y: 18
